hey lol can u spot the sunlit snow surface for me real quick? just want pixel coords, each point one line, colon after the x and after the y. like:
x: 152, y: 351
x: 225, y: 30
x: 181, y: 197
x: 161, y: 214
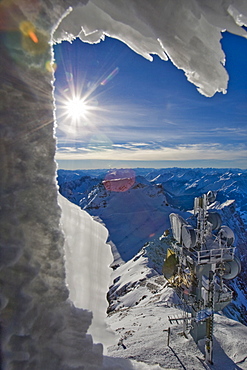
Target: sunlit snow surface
x: 88, y: 277
x: 87, y: 263
x: 142, y: 302
x: 188, y: 32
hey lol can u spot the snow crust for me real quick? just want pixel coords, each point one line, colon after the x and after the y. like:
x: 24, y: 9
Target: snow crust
x: 188, y: 33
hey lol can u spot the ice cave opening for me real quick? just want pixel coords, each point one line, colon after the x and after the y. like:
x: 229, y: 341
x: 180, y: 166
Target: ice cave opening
x: 40, y: 328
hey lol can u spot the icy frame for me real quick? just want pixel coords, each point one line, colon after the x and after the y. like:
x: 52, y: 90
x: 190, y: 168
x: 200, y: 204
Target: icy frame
x: 40, y: 327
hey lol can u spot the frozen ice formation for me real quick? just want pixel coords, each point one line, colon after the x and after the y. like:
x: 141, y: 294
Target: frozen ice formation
x: 87, y: 265
x: 188, y: 32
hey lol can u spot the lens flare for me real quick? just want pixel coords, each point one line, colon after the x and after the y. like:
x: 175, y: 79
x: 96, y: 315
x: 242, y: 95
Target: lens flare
x: 50, y: 66
x: 80, y: 114
x: 110, y: 76
x: 28, y: 29
x: 119, y: 180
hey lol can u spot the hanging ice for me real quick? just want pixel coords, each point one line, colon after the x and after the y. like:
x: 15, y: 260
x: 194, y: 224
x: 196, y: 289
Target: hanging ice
x: 187, y: 32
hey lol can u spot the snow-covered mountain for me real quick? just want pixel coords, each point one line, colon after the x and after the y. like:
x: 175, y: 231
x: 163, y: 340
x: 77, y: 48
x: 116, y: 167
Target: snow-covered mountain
x: 140, y: 215
x: 182, y: 185
x: 132, y: 217
x: 140, y: 305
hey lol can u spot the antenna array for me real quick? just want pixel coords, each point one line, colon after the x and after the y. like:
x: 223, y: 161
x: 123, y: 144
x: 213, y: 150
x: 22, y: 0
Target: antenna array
x: 200, y: 260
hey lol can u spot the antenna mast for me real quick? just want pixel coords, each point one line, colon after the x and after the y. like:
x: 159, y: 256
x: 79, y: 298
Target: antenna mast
x: 199, y: 261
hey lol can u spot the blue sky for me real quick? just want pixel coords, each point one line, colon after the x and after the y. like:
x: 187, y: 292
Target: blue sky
x: 146, y: 114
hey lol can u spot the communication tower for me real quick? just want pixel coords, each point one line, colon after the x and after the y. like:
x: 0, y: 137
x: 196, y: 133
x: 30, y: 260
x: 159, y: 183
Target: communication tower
x: 200, y: 259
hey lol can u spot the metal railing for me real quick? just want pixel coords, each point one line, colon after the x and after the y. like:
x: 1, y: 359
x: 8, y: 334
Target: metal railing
x: 213, y: 255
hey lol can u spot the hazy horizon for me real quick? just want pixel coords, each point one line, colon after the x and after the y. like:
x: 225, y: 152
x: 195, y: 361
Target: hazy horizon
x: 93, y: 165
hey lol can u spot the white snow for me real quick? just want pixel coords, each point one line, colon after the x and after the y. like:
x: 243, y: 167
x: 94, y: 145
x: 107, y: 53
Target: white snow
x: 141, y: 305
x: 132, y: 217
x: 87, y: 265
x: 141, y: 300
x: 141, y: 319
x: 188, y: 32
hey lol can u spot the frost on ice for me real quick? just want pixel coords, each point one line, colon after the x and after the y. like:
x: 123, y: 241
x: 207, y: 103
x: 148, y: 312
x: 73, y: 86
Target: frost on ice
x: 41, y: 329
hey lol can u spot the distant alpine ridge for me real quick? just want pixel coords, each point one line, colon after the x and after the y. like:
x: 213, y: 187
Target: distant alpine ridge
x: 135, y: 205
x: 181, y: 185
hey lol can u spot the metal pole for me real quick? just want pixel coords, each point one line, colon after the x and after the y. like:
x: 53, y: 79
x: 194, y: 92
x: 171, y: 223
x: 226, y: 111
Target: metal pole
x: 210, y: 320
x: 168, y: 336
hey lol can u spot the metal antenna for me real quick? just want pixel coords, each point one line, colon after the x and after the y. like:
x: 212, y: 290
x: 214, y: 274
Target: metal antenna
x: 197, y: 265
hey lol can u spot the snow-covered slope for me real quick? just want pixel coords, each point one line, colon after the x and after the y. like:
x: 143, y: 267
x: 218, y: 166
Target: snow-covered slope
x: 77, y: 187
x: 132, y: 217
x: 183, y: 184
x: 143, y: 336
x: 141, y: 303
x: 87, y: 260
x: 141, y: 214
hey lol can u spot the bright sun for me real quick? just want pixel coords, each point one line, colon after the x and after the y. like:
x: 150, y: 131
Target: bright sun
x: 76, y: 108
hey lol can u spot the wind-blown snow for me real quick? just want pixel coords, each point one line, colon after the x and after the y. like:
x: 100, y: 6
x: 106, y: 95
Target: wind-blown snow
x: 187, y: 32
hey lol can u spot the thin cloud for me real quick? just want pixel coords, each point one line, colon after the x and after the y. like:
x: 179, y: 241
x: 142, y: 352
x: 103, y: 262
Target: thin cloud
x: 181, y: 153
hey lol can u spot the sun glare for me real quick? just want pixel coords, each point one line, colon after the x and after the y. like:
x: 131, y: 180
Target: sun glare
x: 80, y: 110
x: 76, y: 108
